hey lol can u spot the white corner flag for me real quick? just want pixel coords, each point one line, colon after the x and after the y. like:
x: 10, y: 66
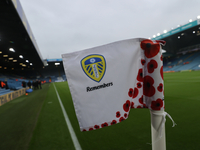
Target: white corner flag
x: 107, y: 81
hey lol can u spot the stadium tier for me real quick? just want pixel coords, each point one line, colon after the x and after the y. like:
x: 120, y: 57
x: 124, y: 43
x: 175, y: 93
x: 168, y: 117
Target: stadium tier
x: 188, y: 61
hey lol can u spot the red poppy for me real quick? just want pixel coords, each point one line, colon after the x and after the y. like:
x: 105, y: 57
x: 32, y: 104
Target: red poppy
x: 148, y: 88
x: 135, y: 94
x: 84, y: 130
x: 141, y: 100
x: 143, y: 61
x: 150, y: 48
x: 105, y: 124
x: 126, y: 106
x: 139, y: 85
x: 161, y: 58
x: 125, y: 115
x: 90, y: 129
x: 130, y: 92
x: 161, y: 72
x: 139, y: 106
x: 118, y: 114
x: 140, y: 75
x: 157, y: 105
x: 160, y: 87
x: 96, y: 127
x: 151, y: 66
x: 113, y: 122
x: 132, y: 105
x: 121, y: 119
x: 145, y: 106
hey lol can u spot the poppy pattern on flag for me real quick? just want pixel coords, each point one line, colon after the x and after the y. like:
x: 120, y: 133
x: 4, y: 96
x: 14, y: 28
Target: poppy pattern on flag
x: 139, y: 77
x: 152, y: 93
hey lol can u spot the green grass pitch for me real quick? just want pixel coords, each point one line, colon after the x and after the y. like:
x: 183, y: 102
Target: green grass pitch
x: 36, y: 121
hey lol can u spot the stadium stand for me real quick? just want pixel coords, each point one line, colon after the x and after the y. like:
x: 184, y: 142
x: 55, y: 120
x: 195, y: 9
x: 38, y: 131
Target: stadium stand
x: 188, y: 61
x: 4, y: 91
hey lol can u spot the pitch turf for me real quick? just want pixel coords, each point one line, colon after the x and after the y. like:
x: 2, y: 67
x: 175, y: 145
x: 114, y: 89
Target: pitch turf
x: 36, y: 121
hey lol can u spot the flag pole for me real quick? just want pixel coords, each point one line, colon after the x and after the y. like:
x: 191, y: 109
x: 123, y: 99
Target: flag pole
x: 158, y: 130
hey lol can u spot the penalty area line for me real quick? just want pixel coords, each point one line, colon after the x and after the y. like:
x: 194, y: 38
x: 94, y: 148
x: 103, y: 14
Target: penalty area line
x: 71, y: 130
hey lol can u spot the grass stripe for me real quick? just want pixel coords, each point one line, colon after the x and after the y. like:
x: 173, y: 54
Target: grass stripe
x: 18, y: 119
x: 51, y: 132
x: 73, y: 135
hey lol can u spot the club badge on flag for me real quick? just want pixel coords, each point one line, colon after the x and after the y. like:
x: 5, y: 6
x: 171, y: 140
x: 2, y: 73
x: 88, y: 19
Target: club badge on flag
x: 107, y: 81
x: 94, y: 67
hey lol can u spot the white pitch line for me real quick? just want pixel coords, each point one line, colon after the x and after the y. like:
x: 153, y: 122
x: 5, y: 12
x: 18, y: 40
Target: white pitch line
x: 71, y: 130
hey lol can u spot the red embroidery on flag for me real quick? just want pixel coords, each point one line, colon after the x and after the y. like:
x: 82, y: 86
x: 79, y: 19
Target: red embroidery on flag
x: 139, y: 85
x: 130, y: 92
x: 160, y: 87
x: 140, y: 75
x: 125, y: 115
x: 151, y: 66
x: 105, y: 124
x: 121, y: 119
x: 150, y: 49
x: 161, y: 72
x: 113, y: 122
x: 135, y: 94
x: 96, y: 127
x: 118, y: 114
x: 157, y: 105
x: 148, y: 88
x: 126, y: 106
x: 143, y: 61
x: 132, y: 105
x: 141, y: 100
x: 145, y: 106
x: 139, y: 106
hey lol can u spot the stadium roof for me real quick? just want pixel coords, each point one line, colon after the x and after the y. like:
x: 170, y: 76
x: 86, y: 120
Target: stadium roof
x: 182, y: 39
x: 18, y: 48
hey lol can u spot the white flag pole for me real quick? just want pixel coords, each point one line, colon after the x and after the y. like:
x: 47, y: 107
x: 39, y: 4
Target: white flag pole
x: 158, y: 130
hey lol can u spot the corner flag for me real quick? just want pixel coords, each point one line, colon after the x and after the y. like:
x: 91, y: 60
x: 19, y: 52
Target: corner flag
x: 107, y: 81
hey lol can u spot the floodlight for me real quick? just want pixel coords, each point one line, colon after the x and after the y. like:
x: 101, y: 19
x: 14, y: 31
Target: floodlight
x: 193, y: 31
x: 57, y: 63
x: 20, y: 56
x: 27, y: 61
x: 198, y: 17
x: 158, y: 34
x: 190, y: 20
x: 154, y: 36
x: 31, y: 64
x: 11, y: 49
x: 165, y: 31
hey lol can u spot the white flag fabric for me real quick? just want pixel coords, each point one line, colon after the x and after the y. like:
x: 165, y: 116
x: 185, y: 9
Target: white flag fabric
x: 107, y: 81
